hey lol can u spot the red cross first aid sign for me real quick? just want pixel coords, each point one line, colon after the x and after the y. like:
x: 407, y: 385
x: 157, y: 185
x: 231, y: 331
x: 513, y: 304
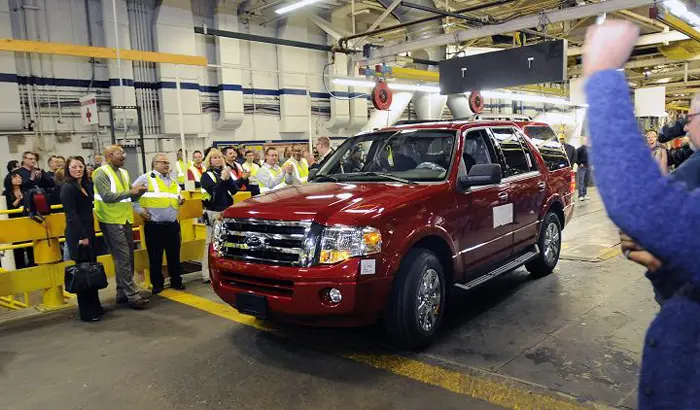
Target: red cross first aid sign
x: 88, y: 109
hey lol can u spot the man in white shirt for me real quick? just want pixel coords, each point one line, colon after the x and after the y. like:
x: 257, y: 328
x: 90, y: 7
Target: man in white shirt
x: 271, y: 175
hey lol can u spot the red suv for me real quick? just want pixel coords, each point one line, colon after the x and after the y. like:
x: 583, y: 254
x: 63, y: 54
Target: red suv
x: 390, y: 222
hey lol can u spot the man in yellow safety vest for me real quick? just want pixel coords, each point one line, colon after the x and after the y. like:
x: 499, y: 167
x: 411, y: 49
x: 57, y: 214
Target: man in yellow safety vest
x: 113, y: 210
x: 181, y: 167
x: 271, y: 175
x: 300, y: 166
x: 252, y: 168
x: 159, y: 208
x: 195, y: 171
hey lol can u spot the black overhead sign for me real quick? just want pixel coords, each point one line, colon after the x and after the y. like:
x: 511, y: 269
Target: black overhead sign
x: 541, y: 63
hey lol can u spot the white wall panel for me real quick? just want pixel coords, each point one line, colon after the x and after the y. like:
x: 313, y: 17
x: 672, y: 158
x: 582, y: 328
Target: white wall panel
x: 10, y: 110
x: 294, y: 108
x: 228, y: 52
x: 174, y: 34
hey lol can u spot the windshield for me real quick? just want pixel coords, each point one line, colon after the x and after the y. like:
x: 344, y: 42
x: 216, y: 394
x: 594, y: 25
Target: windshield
x: 408, y: 155
x: 539, y: 133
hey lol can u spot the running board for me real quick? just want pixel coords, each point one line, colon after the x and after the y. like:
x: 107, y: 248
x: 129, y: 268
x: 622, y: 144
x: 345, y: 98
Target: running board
x: 515, y: 263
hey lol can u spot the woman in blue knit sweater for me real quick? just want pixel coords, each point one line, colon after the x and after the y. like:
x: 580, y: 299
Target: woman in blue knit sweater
x: 632, y: 187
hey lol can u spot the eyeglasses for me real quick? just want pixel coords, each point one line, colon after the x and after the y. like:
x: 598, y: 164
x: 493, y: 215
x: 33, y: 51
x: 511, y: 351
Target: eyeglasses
x: 164, y: 162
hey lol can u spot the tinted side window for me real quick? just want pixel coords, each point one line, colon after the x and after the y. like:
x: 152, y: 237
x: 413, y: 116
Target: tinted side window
x: 477, y: 150
x: 516, y: 161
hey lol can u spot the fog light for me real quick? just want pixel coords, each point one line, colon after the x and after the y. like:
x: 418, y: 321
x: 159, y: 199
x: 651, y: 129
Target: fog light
x: 331, y: 296
x: 334, y: 295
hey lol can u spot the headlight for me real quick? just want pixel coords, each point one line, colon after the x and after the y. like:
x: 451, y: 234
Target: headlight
x: 339, y: 243
x: 218, y: 234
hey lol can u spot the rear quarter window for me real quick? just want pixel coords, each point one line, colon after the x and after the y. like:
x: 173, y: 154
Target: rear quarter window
x: 554, y: 158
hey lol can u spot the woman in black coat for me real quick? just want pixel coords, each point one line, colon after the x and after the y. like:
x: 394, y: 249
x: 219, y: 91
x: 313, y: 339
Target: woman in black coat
x: 76, y: 198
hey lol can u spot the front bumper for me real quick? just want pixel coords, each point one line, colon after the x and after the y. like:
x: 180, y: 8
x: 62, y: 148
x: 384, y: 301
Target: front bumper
x: 295, y: 294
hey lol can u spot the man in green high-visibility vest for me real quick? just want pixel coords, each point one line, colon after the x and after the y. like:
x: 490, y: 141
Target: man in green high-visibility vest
x: 113, y: 210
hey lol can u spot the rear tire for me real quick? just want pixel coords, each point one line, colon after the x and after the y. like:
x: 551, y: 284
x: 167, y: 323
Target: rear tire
x: 550, y: 247
x: 417, y: 302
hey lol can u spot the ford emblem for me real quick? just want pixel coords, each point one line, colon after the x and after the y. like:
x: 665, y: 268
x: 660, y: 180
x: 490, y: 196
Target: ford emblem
x: 254, y: 242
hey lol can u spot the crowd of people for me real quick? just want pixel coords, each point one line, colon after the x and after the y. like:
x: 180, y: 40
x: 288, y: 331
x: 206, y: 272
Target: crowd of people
x: 103, y: 189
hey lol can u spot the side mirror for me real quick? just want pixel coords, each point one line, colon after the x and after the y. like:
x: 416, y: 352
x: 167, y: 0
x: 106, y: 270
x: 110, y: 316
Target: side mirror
x: 479, y: 175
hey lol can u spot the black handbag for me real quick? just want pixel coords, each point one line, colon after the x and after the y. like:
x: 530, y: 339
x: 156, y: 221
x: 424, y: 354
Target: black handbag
x: 85, y: 274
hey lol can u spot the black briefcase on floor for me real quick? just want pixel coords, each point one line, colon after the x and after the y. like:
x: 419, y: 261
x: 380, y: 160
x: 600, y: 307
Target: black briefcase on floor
x: 85, y: 274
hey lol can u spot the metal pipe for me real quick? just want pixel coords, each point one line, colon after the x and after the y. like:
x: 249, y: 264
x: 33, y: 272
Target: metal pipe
x: 179, y: 108
x: 119, y: 62
x: 344, y: 40
x: 263, y: 39
x: 441, y: 12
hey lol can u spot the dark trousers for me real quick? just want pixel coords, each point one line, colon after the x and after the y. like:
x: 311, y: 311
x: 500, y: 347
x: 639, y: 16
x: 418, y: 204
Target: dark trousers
x: 254, y: 190
x: 582, y: 177
x: 89, y: 305
x: 163, y: 237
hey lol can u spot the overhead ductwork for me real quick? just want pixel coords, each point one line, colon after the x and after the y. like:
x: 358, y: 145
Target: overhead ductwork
x: 427, y: 106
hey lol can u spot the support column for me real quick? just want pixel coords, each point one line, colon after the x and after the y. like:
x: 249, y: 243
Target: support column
x: 124, y: 94
x: 174, y: 34
x: 228, y: 55
x: 294, y: 103
x: 10, y: 109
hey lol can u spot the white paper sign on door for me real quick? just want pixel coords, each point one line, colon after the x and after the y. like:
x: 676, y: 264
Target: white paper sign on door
x: 502, y: 215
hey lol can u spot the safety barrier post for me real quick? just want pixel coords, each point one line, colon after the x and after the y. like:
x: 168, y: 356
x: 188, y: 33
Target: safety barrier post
x: 47, y: 252
x: 146, y: 284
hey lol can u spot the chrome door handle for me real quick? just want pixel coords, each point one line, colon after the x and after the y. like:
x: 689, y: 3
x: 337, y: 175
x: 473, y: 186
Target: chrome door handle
x: 503, y: 196
x: 541, y: 186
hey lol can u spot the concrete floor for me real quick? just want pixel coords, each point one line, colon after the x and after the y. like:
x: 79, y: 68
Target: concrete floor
x: 578, y: 331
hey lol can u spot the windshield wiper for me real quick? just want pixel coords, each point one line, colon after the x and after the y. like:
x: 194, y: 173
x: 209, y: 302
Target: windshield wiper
x: 389, y: 176
x: 326, y: 178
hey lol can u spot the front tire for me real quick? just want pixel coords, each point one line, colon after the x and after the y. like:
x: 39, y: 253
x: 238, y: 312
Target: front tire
x: 550, y: 247
x: 417, y: 302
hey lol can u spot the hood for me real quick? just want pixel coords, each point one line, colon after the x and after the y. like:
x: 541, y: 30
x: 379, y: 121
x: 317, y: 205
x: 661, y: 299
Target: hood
x: 331, y: 203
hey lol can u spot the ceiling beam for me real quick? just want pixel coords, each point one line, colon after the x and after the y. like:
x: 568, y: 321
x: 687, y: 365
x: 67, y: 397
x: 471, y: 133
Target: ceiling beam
x: 645, y: 40
x: 325, y: 25
x: 682, y: 84
x: 664, y: 74
x: 360, y: 41
x: 557, y: 16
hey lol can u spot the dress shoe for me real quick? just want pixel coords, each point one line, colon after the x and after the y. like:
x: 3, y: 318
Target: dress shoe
x: 156, y: 290
x: 101, y: 311
x: 179, y: 286
x: 140, y: 304
x: 92, y: 319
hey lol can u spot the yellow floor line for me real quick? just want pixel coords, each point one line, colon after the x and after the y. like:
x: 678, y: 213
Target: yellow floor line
x: 499, y: 393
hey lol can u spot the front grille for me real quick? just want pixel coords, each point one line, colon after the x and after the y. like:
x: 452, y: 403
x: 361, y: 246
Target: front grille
x: 266, y: 242
x: 257, y: 284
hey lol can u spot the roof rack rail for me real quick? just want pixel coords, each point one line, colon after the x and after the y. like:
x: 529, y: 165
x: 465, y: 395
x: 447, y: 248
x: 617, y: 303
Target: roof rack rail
x: 411, y: 122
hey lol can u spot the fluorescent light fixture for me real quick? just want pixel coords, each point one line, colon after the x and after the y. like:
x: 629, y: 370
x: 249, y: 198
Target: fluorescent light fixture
x: 506, y: 95
x: 354, y: 83
x: 663, y: 81
x: 295, y: 6
x: 502, y: 95
x: 394, y: 86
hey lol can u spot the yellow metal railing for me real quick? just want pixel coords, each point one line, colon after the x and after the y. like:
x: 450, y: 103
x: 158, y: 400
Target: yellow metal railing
x: 44, y: 238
